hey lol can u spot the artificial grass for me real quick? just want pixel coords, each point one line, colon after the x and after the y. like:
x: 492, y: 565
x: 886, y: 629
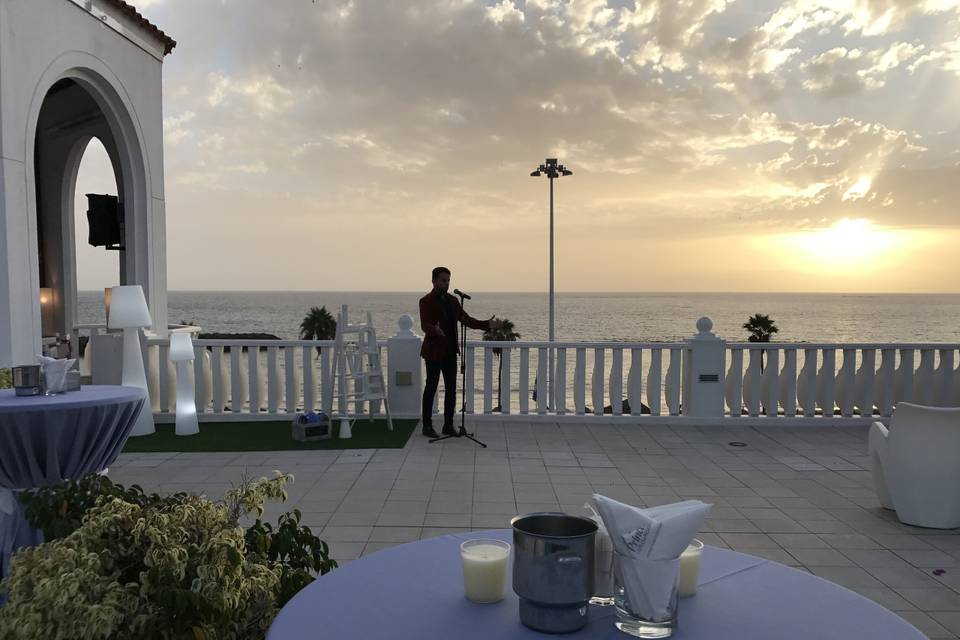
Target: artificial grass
x: 270, y: 436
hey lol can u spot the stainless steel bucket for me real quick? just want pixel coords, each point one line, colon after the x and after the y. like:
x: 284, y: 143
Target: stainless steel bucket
x: 553, y: 570
x: 26, y: 380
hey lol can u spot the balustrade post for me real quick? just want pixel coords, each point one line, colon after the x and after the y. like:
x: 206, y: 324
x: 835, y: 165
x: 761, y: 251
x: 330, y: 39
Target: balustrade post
x: 703, y: 375
x: 404, y: 372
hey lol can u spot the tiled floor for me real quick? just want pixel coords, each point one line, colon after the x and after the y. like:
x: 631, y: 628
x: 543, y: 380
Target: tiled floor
x: 800, y: 496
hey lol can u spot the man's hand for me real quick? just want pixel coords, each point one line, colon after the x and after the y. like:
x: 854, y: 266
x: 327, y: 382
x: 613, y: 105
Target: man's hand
x: 439, y: 330
x: 495, y: 323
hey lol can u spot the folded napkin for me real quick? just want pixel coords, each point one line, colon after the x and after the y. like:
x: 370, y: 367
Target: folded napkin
x: 650, y: 542
x: 55, y: 372
x: 602, y: 557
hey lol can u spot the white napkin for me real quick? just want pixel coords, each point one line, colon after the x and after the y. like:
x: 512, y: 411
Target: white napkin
x: 602, y: 557
x: 650, y: 542
x: 55, y: 372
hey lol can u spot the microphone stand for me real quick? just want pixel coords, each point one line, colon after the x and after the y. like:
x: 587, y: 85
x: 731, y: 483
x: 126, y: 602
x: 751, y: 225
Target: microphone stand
x: 462, y: 433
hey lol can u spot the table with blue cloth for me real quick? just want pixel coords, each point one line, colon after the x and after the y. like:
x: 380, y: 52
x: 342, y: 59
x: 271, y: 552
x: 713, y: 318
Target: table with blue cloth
x: 415, y: 591
x: 45, y: 440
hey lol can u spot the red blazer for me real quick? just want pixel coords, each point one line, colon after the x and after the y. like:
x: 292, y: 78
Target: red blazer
x: 435, y: 346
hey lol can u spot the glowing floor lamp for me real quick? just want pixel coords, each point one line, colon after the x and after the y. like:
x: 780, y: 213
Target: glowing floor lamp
x: 129, y: 311
x: 181, y: 352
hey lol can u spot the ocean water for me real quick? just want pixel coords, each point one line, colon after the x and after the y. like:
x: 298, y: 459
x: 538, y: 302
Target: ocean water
x: 638, y: 317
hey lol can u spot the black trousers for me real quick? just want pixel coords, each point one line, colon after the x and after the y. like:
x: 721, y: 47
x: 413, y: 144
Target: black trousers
x: 448, y: 367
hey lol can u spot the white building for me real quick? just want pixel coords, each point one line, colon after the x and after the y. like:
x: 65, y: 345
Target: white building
x: 71, y: 70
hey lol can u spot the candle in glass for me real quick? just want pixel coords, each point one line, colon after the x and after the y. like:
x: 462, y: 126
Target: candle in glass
x: 484, y: 569
x: 690, y: 568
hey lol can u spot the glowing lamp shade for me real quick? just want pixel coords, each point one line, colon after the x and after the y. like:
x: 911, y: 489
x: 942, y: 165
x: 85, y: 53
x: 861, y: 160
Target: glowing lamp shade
x: 129, y: 311
x: 46, y: 309
x: 128, y: 308
x: 181, y: 352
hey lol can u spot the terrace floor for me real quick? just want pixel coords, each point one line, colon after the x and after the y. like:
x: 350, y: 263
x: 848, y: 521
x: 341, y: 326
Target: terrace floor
x: 800, y: 496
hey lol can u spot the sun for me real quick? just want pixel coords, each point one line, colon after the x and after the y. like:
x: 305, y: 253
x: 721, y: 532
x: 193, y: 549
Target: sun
x: 859, y: 189
x: 850, y: 243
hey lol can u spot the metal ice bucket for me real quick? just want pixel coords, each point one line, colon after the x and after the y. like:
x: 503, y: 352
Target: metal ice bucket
x: 26, y: 380
x: 553, y: 570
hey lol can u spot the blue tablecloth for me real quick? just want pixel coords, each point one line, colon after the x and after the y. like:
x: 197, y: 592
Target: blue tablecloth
x: 45, y: 440
x: 415, y: 591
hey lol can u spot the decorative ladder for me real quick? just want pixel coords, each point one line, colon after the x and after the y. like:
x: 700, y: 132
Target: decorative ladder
x: 357, y: 371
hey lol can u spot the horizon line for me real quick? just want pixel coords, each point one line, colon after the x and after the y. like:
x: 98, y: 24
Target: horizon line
x: 594, y: 292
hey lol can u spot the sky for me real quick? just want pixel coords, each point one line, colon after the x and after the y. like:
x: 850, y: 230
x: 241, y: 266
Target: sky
x: 716, y: 145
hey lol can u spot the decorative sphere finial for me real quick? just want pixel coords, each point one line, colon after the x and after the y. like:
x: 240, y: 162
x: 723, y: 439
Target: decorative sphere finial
x: 704, y: 324
x: 405, y: 322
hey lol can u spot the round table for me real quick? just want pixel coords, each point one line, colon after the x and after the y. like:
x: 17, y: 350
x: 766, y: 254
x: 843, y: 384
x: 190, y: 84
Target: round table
x: 416, y: 591
x: 45, y: 440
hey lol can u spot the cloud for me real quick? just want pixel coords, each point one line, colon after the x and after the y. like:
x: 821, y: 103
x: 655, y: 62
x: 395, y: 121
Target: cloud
x: 398, y: 117
x: 840, y: 72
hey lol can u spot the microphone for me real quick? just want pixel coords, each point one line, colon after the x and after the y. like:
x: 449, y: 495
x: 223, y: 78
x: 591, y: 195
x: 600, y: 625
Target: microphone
x: 461, y: 294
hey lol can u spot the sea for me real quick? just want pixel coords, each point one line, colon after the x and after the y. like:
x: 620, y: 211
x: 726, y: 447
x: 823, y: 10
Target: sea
x: 639, y: 317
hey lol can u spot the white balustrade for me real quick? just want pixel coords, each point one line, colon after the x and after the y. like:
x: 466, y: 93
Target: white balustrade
x: 751, y: 383
x: 635, y: 382
x: 733, y: 384
x: 560, y: 383
x: 845, y: 383
x: 247, y: 378
x: 469, y: 377
x: 487, y: 380
x: 524, y: 380
x: 788, y: 383
x: 541, y: 381
x: 504, y: 399
x: 616, y: 383
x: 597, y: 382
x: 654, y: 382
x: 672, y: 382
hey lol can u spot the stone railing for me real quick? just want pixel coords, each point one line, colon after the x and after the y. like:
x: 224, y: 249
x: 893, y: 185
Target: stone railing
x: 701, y: 380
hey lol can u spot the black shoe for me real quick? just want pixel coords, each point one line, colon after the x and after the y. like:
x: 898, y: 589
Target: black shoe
x: 448, y: 430
x: 429, y: 432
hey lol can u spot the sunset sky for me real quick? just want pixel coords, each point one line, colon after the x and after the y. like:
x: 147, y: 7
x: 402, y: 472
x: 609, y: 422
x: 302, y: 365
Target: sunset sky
x: 746, y: 145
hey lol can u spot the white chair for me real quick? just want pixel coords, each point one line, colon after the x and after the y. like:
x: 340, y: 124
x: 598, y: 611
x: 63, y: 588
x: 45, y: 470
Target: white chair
x: 916, y: 465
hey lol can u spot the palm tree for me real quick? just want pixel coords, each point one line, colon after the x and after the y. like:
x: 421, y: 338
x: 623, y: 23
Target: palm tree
x: 504, y: 334
x: 318, y: 324
x: 760, y: 327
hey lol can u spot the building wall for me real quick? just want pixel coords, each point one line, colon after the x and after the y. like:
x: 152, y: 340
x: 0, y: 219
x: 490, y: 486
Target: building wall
x: 42, y: 41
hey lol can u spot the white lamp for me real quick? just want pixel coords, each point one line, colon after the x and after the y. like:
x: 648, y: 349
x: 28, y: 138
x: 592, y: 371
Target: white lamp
x: 181, y: 352
x: 129, y: 311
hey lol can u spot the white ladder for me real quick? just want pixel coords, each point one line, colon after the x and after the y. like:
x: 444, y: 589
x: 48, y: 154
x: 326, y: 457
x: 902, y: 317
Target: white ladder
x: 357, y: 372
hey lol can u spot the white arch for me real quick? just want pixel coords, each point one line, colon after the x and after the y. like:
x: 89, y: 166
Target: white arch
x: 142, y: 265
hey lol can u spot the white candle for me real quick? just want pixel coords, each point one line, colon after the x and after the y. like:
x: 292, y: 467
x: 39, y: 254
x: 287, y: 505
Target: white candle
x: 690, y: 569
x: 484, y: 569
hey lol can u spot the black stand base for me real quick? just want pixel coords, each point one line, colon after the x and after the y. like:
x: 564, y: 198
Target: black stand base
x: 461, y: 433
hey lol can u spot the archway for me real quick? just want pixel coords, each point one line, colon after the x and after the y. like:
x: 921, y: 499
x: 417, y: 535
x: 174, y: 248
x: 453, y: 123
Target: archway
x: 97, y: 268
x: 110, y: 59
x: 69, y: 118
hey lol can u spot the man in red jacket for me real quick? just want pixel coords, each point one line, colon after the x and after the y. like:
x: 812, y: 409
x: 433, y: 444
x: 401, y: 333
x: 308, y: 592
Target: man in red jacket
x: 440, y: 314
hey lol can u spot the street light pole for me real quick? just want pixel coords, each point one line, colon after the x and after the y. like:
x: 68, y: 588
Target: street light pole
x: 552, y: 171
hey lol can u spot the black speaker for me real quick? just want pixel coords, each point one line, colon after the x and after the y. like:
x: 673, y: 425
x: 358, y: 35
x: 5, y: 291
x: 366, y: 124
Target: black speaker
x: 105, y: 220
